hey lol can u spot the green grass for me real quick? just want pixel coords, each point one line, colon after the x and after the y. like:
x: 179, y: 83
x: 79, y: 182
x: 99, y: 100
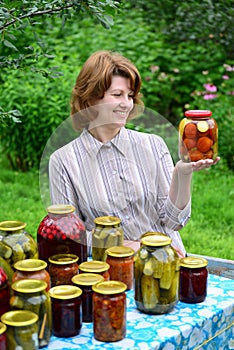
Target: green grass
x: 210, y: 230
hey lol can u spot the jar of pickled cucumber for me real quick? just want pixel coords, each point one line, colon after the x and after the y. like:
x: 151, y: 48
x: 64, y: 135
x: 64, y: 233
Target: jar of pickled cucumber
x: 15, y: 244
x: 62, y: 267
x: 96, y: 266
x: 22, y: 330
x: 3, y: 341
x: 4, y: 292
x: 198, y: 136
x: 85, y: 281
x: 120, y: 259
x: 61, y: 232
x: 106, y: 233
x: 31, y: 295
x: 66, y: 310
x: 32, y: 269
x: 193, y: 279
x: 109, y: 311
x: 156, y: 270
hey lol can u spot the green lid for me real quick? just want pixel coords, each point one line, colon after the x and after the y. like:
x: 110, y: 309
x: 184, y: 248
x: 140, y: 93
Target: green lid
x: 19, y: 318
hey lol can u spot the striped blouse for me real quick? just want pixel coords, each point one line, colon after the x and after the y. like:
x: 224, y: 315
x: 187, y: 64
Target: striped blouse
x: 128, y: 177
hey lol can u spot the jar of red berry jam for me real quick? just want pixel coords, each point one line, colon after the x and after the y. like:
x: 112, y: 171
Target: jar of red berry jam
x: 85, y: 281
x: 3, y: 344
x: 96, y: 266
x: 31, y: 269
x: 62, y: 267
x: 4, y: 292
x: 106, y: 233
x: 193, y: 279
x: 61, y: 232
x: 198, y: 136
x: 109, y: 311
x: 121, y: 260
x: 66, y: 310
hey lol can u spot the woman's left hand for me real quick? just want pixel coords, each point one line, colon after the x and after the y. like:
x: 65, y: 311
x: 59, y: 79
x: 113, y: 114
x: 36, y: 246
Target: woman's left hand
x: 187, y: 168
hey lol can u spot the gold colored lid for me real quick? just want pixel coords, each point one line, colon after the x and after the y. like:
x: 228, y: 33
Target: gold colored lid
x: 193, y: 262
x: 109, y: 287
x: 87, y: 279
x: 65, y: 292
x: 120, y: 251
x: 63, y: 259
x: 94, y: 266
x: 107, y: 220
x: 30, y: 265
x: 12, y: 225
x: 19, y: 318
x: 29, y: 286
x: 149, y: 233
x: 60, y: 209
x: 157, y: 240
x: 3, y: 328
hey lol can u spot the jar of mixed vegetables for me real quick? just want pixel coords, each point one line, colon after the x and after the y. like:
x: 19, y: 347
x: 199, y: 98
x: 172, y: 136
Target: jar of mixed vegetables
x: 62, y: 267
x: 156, y: 270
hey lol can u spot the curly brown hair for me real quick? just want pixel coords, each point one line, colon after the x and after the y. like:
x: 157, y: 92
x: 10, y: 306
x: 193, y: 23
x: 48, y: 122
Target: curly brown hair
x: 94, y: 80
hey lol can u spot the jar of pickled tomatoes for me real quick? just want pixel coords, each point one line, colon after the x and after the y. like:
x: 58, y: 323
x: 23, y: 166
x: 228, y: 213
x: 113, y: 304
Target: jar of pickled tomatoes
x: 85, y: 281
x: 109, y: 311
x: 61, y: 232
x: 96, y: 266
x: 193, y: 279
x: 120, y: 259
x: 62, y: 267
x: 198, y: 136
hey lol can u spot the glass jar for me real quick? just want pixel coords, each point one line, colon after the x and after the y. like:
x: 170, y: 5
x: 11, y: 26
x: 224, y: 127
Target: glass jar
x: 85, y: 281
x: 66, y: 315
x: 31, y: 295
x: 109, y: 311
x: 94, y: 266
x: 121, y: 268
x: 198, y: 136
x: 31, y: 269
x: 22, y: 328
x: 62, y: 267
x: 15, y: 244
x: 193, y: 279
x: 3, y: 344
x: 107, y: 233
x: 156, y: 271
x: 61, y: 232
x: 4, y: 292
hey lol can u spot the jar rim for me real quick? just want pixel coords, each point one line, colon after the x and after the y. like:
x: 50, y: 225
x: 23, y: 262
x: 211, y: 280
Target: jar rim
x: 65, y: 292
x: 87, y: 279
x: 109, y: 287
x: 120, y: 251
x: 60, y: 209
x: 12, y: 225
x: 19, y: 318
x: 107, y: 220
x: 29, y: 265
x: 3, y: 328
x: 94, y: 266
x: 63, y: 259
x: 193, y: 262
x: 29, y: 286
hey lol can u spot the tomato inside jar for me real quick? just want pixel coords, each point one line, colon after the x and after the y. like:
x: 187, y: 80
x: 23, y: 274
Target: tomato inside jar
x: 121, y: 261
x: 109, y: 311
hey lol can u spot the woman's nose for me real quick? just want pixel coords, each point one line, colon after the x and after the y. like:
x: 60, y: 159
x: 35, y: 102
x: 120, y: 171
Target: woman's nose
x: 126, y: 101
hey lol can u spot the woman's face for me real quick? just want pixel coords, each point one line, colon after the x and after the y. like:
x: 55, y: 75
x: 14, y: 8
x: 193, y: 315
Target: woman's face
x: 114, y: 108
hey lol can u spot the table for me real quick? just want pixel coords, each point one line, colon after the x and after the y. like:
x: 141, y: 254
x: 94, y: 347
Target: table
x: 204, y: 326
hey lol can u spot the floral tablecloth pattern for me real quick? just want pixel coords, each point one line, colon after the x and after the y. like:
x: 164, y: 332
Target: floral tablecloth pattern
x: 205, y: 326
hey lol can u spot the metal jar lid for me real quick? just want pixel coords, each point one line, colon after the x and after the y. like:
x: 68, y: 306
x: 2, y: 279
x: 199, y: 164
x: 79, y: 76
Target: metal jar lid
x: 60, y: 209
x: 193, y: 262
x: 109, y: 287
x: 12, y: 225
x: 120, y: 251
x: 30, y: 265
x: 65, y: 292
x: 157, y: 240
x: 107, y: 220
x: 94, y: 266
x: 63, y: 259
x: 19, y: 318
x: 29, y: 286
x: 198, y: 113
x: 87, y: 279
x: 3, y: 328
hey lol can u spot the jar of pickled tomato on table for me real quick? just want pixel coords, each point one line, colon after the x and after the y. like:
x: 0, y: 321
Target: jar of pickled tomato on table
x: 95, y: 266
x: 121, y: 259
x: 109, y: 311
x: 61, y: 232
x: 62, y: 267
x: 198, y: 136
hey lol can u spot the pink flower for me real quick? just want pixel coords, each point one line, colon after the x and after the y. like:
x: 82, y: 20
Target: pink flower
x: 147, y: 78
x: 228, y: 67
x: 210, y: 87
x: 209, y: 96
x: 225, y: 77
x: 154, y: 68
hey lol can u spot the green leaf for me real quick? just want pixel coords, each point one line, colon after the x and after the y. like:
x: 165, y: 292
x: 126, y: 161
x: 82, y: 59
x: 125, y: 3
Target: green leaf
x: 9, y: 44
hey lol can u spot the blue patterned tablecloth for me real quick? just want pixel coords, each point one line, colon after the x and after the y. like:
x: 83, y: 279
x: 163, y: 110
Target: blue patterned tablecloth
x: 205, y: 326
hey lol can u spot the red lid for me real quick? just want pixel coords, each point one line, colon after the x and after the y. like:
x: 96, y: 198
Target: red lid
x: 198, y: 113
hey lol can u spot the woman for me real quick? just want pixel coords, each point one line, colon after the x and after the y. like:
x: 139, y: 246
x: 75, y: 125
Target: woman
x: 111, y: 170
